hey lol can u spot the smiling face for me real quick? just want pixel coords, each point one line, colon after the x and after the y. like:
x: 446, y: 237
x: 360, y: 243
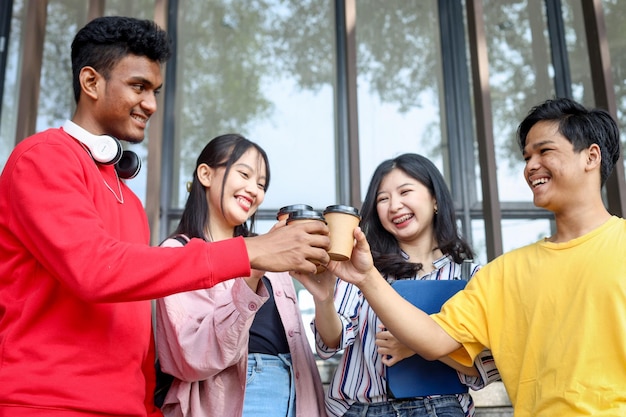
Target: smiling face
x: 123, y: 102
x: 553, y: 170
x: 405, y: 207
x: 240, y: 196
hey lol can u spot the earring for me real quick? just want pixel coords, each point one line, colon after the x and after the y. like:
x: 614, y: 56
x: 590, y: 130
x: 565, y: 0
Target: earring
x: 189, y: 186
x: 436, y: 210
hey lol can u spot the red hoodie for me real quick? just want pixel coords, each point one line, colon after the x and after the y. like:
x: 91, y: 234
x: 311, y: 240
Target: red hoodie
x: 76, y: 277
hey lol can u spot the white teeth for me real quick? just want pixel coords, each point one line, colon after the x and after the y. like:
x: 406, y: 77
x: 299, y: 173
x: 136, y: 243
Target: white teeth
x: 539, y: 181
x: 244, y: 202
x: 402, y: 219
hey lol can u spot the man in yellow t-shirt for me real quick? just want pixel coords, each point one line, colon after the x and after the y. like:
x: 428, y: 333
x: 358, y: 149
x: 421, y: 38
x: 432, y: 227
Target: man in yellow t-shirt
x: 554, y: 312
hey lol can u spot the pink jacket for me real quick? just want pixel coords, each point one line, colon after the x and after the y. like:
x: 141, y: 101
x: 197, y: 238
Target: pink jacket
x: 202, y: 339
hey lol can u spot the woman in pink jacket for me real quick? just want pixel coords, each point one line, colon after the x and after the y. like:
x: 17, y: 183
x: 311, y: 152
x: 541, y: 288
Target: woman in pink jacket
x: 207, y: 339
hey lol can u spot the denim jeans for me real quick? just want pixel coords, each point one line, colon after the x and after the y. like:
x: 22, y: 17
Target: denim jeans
x: 270, y: 389
x: 443, y: 406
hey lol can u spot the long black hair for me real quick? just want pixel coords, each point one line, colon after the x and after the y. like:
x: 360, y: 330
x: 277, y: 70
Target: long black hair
x: 222, y: 151
x: 386, y: 251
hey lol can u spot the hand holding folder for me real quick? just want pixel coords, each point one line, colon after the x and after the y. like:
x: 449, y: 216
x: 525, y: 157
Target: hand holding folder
x: 416, y: 376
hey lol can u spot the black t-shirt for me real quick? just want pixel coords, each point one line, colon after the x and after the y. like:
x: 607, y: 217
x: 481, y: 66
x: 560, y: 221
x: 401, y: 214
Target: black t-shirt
x: 267, y: 334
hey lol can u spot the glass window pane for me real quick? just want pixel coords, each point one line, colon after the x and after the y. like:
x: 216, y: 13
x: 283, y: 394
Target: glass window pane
x: 264, y: 225
x: 171, y: 226
x: 521, y: 232
x: 615, y: 16
x: 521, y: 75
x: 399, y: 82
x: 263, y: 70
x: 56, y: 98
x: 578, y: 55
x: 515, y: 234
x: 141, y: 9
x: 479, y: 241
x: 8, y: 121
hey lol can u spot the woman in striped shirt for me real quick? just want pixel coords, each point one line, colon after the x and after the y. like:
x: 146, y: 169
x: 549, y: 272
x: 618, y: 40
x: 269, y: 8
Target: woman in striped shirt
x: 408, y: 218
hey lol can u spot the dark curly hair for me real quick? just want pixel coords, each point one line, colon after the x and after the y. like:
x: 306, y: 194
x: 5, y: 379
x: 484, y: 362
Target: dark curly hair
x: 104, y: 41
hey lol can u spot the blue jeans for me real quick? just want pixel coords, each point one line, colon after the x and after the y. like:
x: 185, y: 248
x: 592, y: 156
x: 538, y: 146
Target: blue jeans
x: 444, y: 406
x: 270, y: 389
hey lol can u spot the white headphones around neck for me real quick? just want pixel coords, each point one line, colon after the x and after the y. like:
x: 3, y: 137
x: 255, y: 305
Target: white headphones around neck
x: 106, y: 150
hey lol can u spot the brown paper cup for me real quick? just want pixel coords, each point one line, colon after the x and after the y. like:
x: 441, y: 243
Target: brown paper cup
x: 305, y: 216
x: 341, y: 220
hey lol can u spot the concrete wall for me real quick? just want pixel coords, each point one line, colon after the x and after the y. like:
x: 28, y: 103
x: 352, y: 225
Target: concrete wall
x: 492, y: 401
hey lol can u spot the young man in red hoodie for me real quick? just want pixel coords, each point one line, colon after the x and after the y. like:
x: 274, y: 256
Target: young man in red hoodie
x: 77, y: 271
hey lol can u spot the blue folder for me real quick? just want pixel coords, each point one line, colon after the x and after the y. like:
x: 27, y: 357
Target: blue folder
x: 415, y: 376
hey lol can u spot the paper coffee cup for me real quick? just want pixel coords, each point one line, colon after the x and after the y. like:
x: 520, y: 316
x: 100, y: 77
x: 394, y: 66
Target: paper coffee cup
x: 341, y: 220
x: 283, y: 213
x: 305, y: 216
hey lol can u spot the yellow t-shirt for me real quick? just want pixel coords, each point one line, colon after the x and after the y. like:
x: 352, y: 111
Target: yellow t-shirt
x: 554, y: 316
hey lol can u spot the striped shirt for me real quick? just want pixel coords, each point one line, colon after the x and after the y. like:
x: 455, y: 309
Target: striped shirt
x: 360, y: 374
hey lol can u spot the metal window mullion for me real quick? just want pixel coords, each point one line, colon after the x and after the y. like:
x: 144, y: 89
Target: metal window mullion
x: 457, y: 103
x: 6, y: 12
x: 347, y: 142
x: 484, y: 127
x: 558, y: 47
x: 604, y: 93
x: 169, y: 124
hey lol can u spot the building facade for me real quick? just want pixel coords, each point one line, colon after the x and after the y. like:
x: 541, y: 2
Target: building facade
x: 332, y: 88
